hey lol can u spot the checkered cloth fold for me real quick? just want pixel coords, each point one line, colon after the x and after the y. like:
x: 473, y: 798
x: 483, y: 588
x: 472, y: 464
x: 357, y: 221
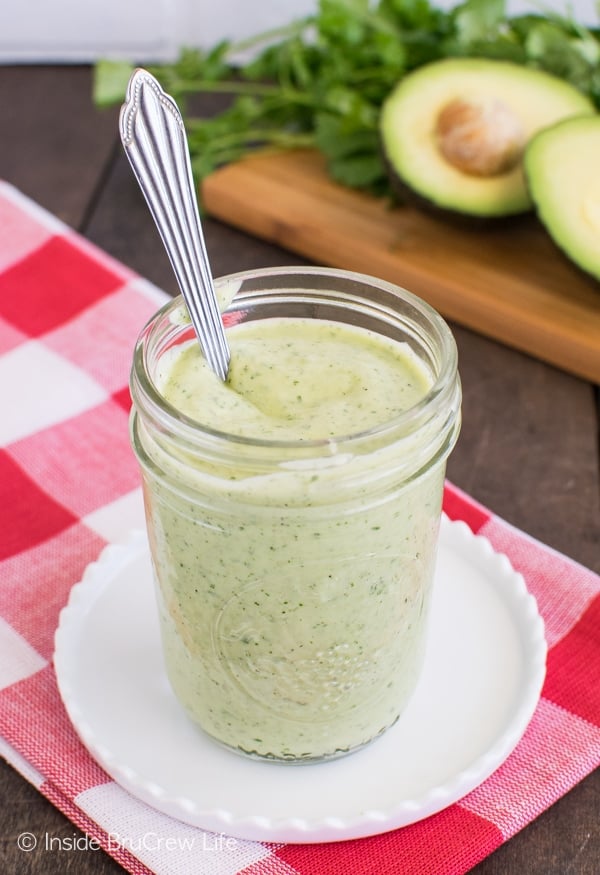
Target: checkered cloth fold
x: 69, y: 315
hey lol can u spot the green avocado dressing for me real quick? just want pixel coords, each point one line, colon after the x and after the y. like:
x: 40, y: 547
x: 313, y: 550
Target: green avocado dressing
x: 292, y: 605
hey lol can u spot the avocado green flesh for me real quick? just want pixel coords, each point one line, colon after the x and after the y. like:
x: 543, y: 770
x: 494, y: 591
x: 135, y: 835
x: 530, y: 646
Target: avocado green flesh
x: 561, y: 165
x: 408, y: 124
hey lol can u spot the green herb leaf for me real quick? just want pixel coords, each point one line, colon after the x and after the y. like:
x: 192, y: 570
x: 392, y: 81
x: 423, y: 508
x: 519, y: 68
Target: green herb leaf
x: 358, y: 171
x: 336, y: 140
x: 110, y: 81
x: 478, y: 20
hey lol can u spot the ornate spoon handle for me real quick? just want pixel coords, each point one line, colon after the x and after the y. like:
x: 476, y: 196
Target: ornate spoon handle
x: 153, y: 135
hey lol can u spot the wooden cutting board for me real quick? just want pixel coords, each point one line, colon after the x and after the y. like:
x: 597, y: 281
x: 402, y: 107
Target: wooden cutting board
x: 509, y: 283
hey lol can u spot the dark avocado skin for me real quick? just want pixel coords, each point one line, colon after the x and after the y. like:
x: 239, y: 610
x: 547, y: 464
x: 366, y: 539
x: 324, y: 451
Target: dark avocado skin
x: 468, y: 221
x: 475, y: 224
x: 565, y: 257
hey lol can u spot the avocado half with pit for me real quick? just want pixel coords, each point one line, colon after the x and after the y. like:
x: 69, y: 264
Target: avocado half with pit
x: 454, y: 132
x: 562, y: 166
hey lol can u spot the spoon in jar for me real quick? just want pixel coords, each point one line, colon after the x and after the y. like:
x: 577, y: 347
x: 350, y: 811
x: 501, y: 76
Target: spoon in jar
x: 153, y: 135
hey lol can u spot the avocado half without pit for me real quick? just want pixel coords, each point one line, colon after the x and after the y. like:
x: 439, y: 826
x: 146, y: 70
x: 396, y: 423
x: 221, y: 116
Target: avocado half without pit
x: 454, y: 132
x: 561, y: 166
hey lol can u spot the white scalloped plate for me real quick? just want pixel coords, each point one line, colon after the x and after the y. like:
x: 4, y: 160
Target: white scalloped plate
x: 481, y: 682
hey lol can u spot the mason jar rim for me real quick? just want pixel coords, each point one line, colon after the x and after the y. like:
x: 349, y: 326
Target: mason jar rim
x: 194, y: 431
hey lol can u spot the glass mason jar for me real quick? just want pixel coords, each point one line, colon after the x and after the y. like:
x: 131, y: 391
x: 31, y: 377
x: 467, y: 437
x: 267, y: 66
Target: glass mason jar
x: 294, y: 577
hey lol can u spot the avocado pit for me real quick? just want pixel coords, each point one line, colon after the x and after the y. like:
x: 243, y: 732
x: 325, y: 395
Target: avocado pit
x: 480, y: 136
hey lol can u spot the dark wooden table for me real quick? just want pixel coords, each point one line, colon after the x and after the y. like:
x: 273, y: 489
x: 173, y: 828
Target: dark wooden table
x: 528, y: 448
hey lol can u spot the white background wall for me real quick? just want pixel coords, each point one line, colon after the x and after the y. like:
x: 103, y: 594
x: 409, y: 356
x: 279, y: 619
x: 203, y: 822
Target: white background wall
x: 152, y: 30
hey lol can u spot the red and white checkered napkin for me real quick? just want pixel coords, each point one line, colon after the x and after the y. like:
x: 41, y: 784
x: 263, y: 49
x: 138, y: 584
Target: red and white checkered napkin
x: 69, y: 316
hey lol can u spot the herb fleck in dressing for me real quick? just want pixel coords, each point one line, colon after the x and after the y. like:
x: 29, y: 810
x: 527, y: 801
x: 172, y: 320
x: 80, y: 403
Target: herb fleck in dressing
x: 293, y: 596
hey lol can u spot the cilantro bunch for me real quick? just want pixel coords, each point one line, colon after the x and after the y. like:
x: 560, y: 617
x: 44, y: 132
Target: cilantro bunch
x: 320, y: 82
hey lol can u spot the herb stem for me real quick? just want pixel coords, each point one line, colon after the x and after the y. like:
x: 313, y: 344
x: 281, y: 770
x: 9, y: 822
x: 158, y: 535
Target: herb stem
x: 287, y: 31
x: 274, y: 136
x: 229, y: 86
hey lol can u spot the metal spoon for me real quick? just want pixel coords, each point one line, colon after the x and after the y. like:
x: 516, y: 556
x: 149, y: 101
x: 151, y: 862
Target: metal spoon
x: 153, y: 135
